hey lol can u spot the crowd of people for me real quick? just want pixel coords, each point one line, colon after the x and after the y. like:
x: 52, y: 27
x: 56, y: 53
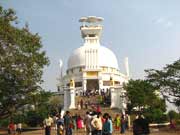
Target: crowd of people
x: 91, y: 123
x: 96, y: 123
x: 104, y: 95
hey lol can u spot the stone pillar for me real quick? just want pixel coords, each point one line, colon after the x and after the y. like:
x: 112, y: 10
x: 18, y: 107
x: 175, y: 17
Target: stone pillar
x: 66, y: 97
x: 100, y: 85
x: 72, y: 98
x: 113, y: 93
x: 71, y: 93
x: 84, y: 85
x: 113, y: 97
x: 123, y: 101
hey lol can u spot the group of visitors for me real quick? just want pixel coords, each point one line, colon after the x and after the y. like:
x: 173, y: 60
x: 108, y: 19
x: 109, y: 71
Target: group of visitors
x: 103, y: 98
x: 98, y: 124
x: 14, y: 128
x: 93, y: 92
x: 85, y: 104
x: 94, y: 123
x: 122, y: 122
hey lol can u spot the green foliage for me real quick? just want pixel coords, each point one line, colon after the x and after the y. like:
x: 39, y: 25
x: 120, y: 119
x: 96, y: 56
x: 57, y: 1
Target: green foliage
x: 145, y: 98
x: 18, y: 118
x: 141, y: 94
x: 167, y: 81
x: 156, y: 112
x: 42, y: 108
x: 40, y: 98
x: 21, y: 64
x: 34, y: 118
x: 55, y: 103
x: 4, y: 123
x: 155, y: 115
x: 45, y: 103
x: 173, y: 115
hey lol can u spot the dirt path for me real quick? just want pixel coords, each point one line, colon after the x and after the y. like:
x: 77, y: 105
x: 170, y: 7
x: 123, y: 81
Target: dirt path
x: 41, y: 132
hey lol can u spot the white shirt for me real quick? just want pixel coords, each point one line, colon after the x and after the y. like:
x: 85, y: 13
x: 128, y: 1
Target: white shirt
x: 97, y: 123
x: 48, y: 121
x: 19, y: 125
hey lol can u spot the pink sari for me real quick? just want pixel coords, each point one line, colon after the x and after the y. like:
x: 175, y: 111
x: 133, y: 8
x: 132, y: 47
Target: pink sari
x: 79, y: 123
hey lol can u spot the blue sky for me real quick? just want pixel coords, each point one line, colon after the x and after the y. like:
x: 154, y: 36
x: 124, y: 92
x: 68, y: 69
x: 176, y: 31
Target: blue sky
x: 145, y: 31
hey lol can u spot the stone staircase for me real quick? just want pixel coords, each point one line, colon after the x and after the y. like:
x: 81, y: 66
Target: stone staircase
x: 94, y: 100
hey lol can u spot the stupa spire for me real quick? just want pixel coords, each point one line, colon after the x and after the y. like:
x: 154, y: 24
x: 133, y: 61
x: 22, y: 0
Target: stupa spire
x: 91, y: 29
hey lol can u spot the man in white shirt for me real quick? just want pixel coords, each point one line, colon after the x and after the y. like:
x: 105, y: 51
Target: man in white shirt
x: 97, y: 125
x: 19, y: 128
x: 47, y: 124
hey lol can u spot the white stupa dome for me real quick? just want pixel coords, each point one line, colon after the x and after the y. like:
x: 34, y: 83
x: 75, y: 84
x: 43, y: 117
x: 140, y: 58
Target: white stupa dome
x: 106, y: 57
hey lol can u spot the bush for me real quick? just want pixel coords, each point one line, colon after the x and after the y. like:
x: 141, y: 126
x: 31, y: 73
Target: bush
x: 173, y: 115
x: 18, y: 118
x: 33, y: 119
x: 4, y: 123
x: 156, y: 116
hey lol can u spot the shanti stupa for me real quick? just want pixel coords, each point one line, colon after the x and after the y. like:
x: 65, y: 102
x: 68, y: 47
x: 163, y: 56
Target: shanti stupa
x: 92, y: 66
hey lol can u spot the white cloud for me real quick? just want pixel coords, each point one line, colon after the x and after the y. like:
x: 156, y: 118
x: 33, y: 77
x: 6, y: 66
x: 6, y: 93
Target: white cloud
x: 163, y: 22
x: 169, y: 24
x: 159, y: 20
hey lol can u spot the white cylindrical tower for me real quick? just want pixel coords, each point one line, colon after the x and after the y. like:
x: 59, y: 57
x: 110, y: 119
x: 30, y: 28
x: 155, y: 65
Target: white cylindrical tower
x: 126, y: 66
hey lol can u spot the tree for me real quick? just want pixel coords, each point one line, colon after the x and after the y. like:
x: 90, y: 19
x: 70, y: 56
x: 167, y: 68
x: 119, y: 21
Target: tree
x: 173, y: 115
x: 167, y: 81
x: 142, y: 95
x: 21, y: 64
x: 55, y: 103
